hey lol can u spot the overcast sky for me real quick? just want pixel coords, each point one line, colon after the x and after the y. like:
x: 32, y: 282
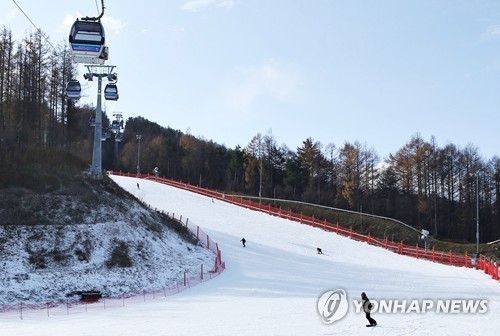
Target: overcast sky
x: 376, y: 72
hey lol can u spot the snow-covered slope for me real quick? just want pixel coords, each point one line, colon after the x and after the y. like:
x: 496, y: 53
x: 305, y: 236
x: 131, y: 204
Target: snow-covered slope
x: 41, y: 263
x: 271, y: 287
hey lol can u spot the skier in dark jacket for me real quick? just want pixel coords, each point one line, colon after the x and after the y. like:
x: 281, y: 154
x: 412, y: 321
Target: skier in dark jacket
x: 367, y: 307
x: 243, y: 241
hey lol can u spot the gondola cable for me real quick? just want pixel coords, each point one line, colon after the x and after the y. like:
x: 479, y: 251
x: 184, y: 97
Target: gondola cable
x: 38, y: 29
x: 100, y: 15
x: 97, y: 6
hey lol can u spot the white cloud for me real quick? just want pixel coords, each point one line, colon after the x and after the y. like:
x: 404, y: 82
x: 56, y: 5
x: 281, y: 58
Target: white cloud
x: 65, y: 26
x: 179, y: 30
x: 227, y: 4
x: 15, y: 22
x: 8, y: 17
x: 271, y: 80
x: 197, y: 5
x: 492, y: 32
x: 111, y: 24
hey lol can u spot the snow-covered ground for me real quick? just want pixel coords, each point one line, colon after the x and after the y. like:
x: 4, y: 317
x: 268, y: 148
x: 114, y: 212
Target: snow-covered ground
x: 271, y: 287
x: 77, y: 257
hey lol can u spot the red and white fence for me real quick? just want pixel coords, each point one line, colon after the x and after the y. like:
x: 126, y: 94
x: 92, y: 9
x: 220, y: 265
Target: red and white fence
x: 55, y: 308
x: 486, y: 264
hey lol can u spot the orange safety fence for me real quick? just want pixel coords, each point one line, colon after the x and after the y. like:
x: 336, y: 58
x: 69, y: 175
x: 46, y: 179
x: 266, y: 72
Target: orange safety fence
x: 484, y: 263
x: 54, y: 308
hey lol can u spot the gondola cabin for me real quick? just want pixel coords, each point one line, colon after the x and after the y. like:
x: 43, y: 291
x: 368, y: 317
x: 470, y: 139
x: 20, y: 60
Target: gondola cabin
x: 73, y: 90
x: 88, y: 42
x: 105, y: 135
x: 92, y: 120
x: 111, y: 92
x: 115, y: 126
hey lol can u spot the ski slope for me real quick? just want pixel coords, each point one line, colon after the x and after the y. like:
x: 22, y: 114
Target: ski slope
x: 271, y: 286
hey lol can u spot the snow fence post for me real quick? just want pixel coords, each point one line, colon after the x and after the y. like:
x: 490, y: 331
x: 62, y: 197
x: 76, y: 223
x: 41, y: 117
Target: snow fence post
x: 21, y: 309
x: 466, y: 261
x: 198, y: 232
x: 216, y: 266
x: 369, y: 238
x: 416, y: 250
x: 185, y: 279
x: 451, y: 258
x: 201, y: 273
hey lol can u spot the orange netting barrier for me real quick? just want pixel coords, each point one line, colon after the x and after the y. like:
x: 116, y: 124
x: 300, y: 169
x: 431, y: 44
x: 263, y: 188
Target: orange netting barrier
x: 486, y: 264
x: 55, y: 308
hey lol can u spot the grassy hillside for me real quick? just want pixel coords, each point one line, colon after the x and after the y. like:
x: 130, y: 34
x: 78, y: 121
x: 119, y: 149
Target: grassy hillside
x: 51, y: 187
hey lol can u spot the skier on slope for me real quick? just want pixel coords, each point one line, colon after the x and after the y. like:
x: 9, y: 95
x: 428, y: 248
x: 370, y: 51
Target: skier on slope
x: 367, y: 307
x: 243, y: 241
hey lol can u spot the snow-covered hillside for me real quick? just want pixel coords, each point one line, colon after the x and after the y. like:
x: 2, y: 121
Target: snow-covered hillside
x: 127, y: 250
x: 271, y: 286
